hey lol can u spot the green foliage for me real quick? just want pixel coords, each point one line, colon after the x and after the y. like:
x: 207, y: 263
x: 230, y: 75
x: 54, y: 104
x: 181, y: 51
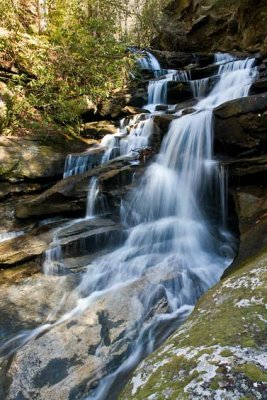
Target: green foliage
x: 74, y: 48
x: 149, y: 21
x: 65, y: 49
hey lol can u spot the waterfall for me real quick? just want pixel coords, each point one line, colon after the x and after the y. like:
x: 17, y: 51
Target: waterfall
x: 171, y: 229
x: 96, y: 201
x: 54, y: 261
x: 146, y: 60
x: 138, y: 137
x: 158, y: 89
x: 220, y: 58
x: 200, y: 87
x: 176, y: 220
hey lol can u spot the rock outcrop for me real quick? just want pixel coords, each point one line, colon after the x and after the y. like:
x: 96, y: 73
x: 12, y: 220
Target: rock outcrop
x: 33, y: 159
x: 205, y: 25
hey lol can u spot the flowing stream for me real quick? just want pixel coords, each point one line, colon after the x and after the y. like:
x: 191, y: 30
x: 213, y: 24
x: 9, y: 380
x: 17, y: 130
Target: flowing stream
x: 176, y: 218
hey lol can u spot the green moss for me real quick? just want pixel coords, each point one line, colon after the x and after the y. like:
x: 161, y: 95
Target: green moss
x: 247, y: 398
x: 248, y: 342
x: 171, y: 378
x: 226, y: 353
x: 253, y: 372
x: 214, y: 383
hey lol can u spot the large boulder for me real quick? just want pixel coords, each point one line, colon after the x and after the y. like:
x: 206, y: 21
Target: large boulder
x: 28, y: 158
x: 241, y: 126
x: 220, y: 352
x: 178, y: 91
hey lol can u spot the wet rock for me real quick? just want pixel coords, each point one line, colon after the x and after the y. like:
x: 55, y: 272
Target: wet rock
x: 69, y: 195
x: 259, y: 86
x: 111, y: 108
x: 7, y: 189
x: 25, y: 247
x: 241, y: 126
x: 130, y: 110
x: 205, y: 72
x: 97, y: 130
x: 139, y: 98
x: 178, y: 91
x: 251, y: 207
x: 185, y: 105
x: 163, y: 123
x: 187, y: 111
x: 247, y: 170
x: 173, y: 60
x: 28, y: 297
x: 69, y: 359
x: 76, y: 238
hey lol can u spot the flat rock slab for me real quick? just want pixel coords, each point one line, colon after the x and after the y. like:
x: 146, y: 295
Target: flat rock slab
x: 70, y: 194
x: 35, y: 243
x: 68, y: 360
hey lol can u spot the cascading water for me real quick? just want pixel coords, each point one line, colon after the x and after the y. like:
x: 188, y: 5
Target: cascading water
x: 147, y: 60
x: 4, y: 236
x: 172, y: 228
x: 177, y: 231
x: 220, y: 58
x: 158, y: 89
x: 138, y: 137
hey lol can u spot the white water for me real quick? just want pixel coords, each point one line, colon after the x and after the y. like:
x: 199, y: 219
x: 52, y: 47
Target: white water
x: 171, y: 228
x: 201, y: 87
x: 148, y: 61
x: 4, y: 236
x: 220, y: 58
x: 172, y: 232
x: 158, y: 89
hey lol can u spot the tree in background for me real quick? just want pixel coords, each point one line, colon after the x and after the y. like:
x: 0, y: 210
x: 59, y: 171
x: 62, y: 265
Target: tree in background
x: 67, y: 49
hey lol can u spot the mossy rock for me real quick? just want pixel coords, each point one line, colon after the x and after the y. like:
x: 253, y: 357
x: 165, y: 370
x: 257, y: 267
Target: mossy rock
x: 220, y: 351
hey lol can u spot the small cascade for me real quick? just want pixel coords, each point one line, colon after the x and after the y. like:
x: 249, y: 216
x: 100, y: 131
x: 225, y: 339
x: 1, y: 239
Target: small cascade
x: 80, y: 163
x: 4, y: 236
x: 138, y: 137
x: 112, y: 147
x: 237, y: 65
x: 235, y: 80
x: 147, y: 60
x: 96, y: 200
x: 220, y: 58
x: 54, y: 261
x: 201, y: 87
x: 158, y: 89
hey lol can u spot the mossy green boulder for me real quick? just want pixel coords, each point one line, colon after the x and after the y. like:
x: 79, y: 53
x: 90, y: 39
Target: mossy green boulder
x: 220, y: 352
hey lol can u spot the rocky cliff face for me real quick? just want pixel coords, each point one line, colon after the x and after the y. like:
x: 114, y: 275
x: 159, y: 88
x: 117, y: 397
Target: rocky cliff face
x: 211, y: 25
